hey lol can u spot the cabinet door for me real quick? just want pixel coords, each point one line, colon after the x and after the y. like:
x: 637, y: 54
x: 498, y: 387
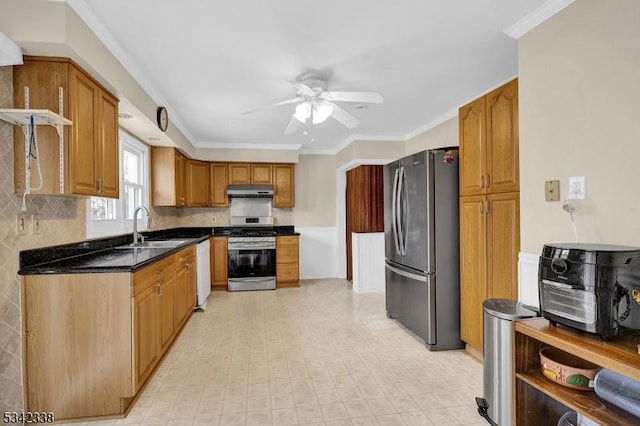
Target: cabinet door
x: 261, y: 174
x: 502, y: 139
x: 180, y: 179
x: 219, y: 179
x: 146, y: 333
x: 473, y: 259
x: 191, y: 284
x: 472, y: 147
x: 167, y: 313
x: 83, y: 100
x: 283, y: 185
x: 239, y: 174
x: 181, y: 297
x: 108, y: 170
x: 503, y: 245
x: 197, y: 183
x: 219, y: 261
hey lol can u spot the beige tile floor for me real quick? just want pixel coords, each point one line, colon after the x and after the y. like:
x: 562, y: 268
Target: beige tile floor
x: 314, y: 355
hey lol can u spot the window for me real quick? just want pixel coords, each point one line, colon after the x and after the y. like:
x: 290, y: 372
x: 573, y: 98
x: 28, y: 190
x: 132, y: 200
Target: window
x: 106, y: 216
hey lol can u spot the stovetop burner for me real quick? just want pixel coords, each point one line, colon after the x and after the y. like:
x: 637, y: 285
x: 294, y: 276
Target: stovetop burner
x: 252, y: 232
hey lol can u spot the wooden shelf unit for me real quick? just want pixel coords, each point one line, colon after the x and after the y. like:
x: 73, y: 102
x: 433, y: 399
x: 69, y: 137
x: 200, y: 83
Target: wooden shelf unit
x: 539, y: 401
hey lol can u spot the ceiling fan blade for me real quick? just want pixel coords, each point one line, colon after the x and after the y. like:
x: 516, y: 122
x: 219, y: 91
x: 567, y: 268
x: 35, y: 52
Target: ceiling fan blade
x: 293, y: 126
x: 344, y: 118
x: 288, y: 101
x: 366, y: 97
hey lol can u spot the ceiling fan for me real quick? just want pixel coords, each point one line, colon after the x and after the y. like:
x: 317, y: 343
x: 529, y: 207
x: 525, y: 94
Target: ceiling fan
x: 316, y: 103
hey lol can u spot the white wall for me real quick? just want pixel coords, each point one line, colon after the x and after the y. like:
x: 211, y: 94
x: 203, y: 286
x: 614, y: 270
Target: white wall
x: 579, y: 86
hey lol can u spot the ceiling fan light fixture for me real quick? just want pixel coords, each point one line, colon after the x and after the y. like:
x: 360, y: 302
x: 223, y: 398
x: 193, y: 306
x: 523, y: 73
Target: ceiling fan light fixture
x: 321, y: 111
x: 303, y: 112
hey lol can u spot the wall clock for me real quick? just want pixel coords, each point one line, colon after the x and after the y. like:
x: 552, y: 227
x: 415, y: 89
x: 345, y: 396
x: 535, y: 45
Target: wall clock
x: 163, y: 118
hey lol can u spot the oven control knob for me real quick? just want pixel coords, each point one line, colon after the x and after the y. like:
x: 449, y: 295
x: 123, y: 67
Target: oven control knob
x: 559, y: 266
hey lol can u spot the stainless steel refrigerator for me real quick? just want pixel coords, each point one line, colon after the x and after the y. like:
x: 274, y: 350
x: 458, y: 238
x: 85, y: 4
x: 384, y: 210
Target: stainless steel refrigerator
x: 422, y: 246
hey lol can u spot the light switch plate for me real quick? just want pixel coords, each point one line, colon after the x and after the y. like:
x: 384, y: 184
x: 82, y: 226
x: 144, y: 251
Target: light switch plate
x: 36, y: 223
x: 21, y: 224
x: 552, y: 190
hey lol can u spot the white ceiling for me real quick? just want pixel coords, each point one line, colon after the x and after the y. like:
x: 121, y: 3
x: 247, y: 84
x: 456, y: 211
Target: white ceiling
x: 209, y: 61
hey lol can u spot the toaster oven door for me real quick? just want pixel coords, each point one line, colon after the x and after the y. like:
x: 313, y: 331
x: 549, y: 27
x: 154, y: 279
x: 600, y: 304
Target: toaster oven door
x: 566, y: 301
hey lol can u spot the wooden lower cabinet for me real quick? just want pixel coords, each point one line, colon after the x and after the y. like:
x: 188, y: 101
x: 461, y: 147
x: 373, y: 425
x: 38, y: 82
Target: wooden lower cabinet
x: 91, y: 341
x: 218, y: 263
x: 186, y: 284
x: 287, y: 261
x: 489, y: 246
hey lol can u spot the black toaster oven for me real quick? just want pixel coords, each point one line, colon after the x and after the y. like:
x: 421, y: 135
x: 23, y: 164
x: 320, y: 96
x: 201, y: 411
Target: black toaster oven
x: 590, y: 287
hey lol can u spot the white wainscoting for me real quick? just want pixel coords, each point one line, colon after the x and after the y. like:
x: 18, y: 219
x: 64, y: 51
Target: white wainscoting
x: 528, y: 278
x: 318, y: 252
x: 368, y: 262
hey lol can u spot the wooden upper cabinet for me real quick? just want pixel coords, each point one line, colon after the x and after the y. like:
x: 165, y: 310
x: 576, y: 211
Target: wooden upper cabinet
x: 181, y: 179
x: 108, y: 152
x: 502, y: 134
x: 91, y: 144
x: 489, y: 143
x: 283, y: 185
x: 197, y: 188
x: 168, y: 180
x: 219, y: 179
x: 239, y: 174
x: 261, y: 174
x: 472, y: 146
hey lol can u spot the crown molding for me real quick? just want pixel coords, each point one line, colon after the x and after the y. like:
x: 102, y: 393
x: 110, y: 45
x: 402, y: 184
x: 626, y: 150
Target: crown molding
x: 106, y: 37
x: 536, y: 18
x: 252, y: 146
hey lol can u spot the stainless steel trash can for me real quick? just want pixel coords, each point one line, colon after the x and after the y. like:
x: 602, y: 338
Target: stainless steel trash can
x: 498, y: 318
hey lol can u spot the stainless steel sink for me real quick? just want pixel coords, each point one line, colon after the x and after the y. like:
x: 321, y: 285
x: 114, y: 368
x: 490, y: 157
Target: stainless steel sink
x: 155, y: 244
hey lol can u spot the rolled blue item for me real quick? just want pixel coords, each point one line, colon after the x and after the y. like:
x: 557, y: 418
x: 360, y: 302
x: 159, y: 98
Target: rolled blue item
x: 619, y: 390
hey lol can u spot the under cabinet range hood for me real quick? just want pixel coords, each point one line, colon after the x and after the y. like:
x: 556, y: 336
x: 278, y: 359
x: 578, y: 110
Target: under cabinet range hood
x: 250, y: 191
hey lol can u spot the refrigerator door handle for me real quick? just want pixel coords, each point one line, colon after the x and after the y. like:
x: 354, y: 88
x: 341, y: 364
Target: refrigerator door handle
x: 400, y: 212
x: 399, y: 271
x: 394, y: 212
x: 405, y: 213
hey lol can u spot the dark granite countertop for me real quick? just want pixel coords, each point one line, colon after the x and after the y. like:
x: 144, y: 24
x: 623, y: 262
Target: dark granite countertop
x: 101, y: 255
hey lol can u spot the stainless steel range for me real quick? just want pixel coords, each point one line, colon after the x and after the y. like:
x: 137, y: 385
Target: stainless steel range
x: 251, y: 249
x: 251, y: 259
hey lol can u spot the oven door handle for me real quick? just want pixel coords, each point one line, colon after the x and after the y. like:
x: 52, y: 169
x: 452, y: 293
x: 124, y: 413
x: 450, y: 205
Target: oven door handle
x: 251, y: 246
x: 250, y: 279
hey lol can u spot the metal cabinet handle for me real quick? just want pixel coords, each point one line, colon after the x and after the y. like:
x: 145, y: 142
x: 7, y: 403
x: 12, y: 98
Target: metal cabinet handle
x: 98, y: 186
x: 488, y: 181
x: 482, y: 207
x: 482, y: 182
x: 486, y: 208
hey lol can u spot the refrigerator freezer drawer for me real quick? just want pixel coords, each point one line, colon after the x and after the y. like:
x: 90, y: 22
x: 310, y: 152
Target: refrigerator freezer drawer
x: 411, y: 301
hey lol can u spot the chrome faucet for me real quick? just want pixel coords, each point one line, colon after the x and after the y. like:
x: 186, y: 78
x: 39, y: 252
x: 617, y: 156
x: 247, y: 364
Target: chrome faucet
x: 137, y: 236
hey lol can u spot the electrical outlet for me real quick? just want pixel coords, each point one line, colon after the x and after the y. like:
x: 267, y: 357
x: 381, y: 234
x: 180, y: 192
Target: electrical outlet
x: 552, y: 190
x: 21, y: 224
x: 577, y: 188
x: 36, y: 223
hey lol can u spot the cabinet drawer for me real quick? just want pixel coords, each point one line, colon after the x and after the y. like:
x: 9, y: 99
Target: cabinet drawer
x: 287, y: 240
x: 287, y: 272
x: 151, y: 274
x: 186, y: 255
